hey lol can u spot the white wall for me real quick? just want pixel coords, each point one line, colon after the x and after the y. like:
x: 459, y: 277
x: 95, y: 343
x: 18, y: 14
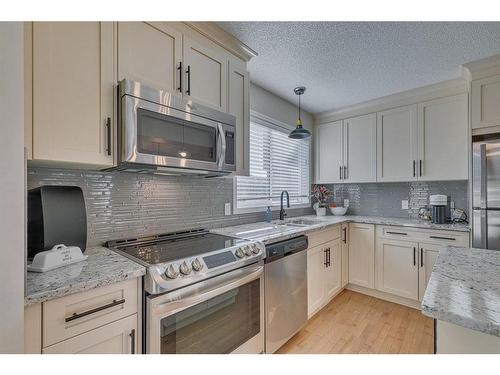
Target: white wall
x: 273, y: 106
x: 11, y: 188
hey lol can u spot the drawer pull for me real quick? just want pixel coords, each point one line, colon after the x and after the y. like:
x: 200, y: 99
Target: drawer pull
x: 93, y: 311
x: 443, y: 238
x: 399, y: 233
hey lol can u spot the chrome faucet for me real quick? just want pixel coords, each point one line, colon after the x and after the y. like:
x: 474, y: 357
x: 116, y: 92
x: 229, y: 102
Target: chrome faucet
x: 282, y: 210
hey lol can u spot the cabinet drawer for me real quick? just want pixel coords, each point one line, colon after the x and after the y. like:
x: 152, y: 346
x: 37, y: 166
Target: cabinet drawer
x: 114, y: 338
x: 82, y: 312
x: 321, y: 236
x: 436, y: 236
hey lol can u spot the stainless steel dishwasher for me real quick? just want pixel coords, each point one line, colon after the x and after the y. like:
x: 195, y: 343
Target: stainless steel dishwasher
x: 285, y: 290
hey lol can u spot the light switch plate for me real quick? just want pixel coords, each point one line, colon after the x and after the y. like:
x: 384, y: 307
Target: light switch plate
x: 346, y: 202
x: 227, y: 209
x: 404, y: 204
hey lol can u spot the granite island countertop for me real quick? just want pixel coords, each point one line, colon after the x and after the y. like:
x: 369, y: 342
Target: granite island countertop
x: 319, y: 222
x: 102, y: 267
x: 464, y: 289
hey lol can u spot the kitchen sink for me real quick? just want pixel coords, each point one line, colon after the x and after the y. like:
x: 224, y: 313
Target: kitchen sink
x: 302, y: 222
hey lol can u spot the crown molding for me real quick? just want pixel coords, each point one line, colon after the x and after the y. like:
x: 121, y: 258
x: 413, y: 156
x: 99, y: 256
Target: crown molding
x: 482, y: 68
x: 223, y: 39
x: 434, y: 91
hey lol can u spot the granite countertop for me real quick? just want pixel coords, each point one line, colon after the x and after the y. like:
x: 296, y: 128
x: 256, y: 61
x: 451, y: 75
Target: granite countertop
x: 464, y: 289
x: 102, y: 267
x: 251, y: 231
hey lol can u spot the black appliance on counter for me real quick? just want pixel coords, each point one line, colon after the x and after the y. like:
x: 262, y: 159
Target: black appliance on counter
x: 56, y: 215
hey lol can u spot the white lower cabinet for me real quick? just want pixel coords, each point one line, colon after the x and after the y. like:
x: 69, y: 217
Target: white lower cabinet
x: 119, y: 337
x: 324, y: 268
x: 405, y: 258
x: 397, y: 268
x: 362, y: 255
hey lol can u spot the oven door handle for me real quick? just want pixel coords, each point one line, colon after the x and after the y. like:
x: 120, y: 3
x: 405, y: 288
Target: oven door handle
x: 221, y: 154
x: 175, y: 302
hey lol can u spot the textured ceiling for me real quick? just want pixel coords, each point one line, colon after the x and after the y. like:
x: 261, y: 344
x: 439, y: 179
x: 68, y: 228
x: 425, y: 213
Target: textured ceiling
x: 343, y: 63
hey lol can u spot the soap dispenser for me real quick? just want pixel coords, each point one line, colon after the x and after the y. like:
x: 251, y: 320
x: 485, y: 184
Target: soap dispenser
x: 268, y: 215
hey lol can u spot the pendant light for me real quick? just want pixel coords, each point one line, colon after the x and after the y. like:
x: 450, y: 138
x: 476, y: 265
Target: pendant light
x: 299, y: 132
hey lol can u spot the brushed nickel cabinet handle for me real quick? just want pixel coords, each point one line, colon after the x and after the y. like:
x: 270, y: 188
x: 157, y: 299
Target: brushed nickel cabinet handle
x: 93, y: 311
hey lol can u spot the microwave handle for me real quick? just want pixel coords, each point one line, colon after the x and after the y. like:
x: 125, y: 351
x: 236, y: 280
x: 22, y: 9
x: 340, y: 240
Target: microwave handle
x: 222, y: 150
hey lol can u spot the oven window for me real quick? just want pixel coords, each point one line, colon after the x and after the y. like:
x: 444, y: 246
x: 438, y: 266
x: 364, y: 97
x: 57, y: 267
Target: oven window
x: 216, y: 326
x: 163, y: 135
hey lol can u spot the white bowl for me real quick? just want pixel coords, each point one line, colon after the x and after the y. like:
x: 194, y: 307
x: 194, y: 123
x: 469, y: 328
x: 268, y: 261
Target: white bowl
x: 338, y: 211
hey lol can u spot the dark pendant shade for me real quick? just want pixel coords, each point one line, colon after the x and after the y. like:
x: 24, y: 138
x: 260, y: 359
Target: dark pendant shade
x: 299, y: 133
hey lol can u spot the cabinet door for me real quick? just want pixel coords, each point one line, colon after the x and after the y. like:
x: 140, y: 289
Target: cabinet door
x: 333, y: 270
x: 206, y: 73
x: 73, y: 90
x: 119, y: 337
x: 427, y: 257
x: 360, y: 149
x: 345, y: 254
x: 442, y: 139
x: 397, y: 144
x: 329, y: 153
x: 239, y: 106
x: 397, y: 268
x: 485, y: 96
x: 316, y: 260
x: 150, y: 53
x: 362, y: 254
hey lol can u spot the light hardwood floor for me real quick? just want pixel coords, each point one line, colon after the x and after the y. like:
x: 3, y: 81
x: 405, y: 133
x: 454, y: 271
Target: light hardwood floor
x: 357, y: 323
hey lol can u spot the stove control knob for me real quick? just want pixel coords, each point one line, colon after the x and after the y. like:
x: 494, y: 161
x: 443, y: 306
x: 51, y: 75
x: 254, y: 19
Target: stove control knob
x: 255, y: 249
x: 248, y: 251
x: 170, y: 272
x: 185, y: 268
x: 239, y: 253
x: 197, y: 265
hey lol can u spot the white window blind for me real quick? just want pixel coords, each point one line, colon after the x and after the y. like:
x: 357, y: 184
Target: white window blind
x: 277, y: 163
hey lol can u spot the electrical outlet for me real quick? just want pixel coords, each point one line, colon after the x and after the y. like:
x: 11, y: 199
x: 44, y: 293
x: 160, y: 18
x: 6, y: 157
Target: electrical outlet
x: 404, y: 204
x: 227, y: 209
x: 346, y: 202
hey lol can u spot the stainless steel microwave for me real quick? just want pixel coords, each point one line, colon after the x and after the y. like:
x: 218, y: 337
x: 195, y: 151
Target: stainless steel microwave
x: 159, y: 132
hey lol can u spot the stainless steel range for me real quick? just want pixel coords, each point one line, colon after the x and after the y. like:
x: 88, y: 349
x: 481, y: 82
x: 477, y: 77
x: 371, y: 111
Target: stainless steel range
x: 204, y: 292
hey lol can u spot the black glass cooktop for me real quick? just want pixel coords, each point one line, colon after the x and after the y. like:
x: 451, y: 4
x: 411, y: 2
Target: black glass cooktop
x: 165, y: 249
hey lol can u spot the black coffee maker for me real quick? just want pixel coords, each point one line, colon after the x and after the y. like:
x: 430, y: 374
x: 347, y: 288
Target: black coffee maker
x: 439, y: 203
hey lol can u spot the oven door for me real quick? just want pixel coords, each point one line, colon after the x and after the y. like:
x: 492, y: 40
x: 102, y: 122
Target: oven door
x: 224, y: 314
x: 159, y: 135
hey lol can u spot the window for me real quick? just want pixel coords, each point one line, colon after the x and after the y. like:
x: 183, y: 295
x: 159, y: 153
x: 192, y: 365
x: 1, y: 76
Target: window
x: 277, y: 163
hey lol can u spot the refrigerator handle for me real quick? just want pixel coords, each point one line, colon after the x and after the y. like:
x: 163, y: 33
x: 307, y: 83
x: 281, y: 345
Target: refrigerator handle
x: 484, y: 229
x: 483, y: 177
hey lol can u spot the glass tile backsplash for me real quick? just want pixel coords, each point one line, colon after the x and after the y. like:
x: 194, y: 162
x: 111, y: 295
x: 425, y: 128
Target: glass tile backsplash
x: 122, y: 205
x: 384, y: 199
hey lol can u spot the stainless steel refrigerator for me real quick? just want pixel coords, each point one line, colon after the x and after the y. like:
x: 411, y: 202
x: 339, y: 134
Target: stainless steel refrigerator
x: 486, y: 192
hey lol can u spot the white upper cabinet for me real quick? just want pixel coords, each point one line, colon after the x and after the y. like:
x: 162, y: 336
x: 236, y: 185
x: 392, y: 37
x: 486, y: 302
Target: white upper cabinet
x: 206, y: 73
x: 329, y: 152
x: 73, y: 92
x: 442, y: 139
x: 239, y: 106
x: 397, y: 144
x: 360, y: 149
x: 485, y: 99
x: 150, y: 53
